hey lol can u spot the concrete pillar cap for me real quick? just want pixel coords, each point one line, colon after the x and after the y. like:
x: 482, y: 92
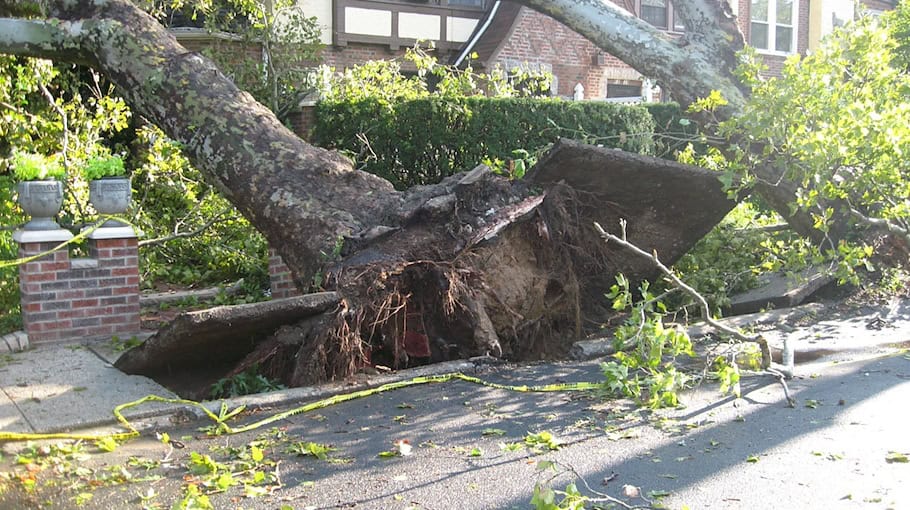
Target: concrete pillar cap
x: 42, y: 236
x: 125, y: 232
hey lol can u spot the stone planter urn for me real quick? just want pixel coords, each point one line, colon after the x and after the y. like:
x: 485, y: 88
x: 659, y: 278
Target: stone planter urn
x: 42, y: 201
x: 111, y: 195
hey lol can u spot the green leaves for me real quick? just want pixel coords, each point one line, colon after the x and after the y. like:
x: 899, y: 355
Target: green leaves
x: 36, y: 167
x: 201, y: 464
x: 728, y: 375
x: 108, y: 444
x: 838, y: 123
x: 541, y: 441
x: 544, y: 498
x: 307, y: 448
x: 897, y: 457
x: 708, y: 104
x: 103, y: 166
x: 644, y: 369
x: 244, y: 383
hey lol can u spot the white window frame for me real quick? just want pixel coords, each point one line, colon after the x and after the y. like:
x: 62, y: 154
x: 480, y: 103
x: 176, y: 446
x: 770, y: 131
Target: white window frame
x: 772, y: 29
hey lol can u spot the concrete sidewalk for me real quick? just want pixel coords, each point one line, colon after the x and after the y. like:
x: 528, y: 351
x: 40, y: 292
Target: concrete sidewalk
x: 68, y: 388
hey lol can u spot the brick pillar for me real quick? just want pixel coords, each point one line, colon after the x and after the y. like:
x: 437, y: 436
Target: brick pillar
x: 304, y: 121
x: 280, y: 281
x: 116, y: 252
x: 43, y: 295
x: 74, y: 299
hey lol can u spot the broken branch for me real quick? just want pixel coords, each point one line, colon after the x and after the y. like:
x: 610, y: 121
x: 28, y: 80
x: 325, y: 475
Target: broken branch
x: 218, y: 218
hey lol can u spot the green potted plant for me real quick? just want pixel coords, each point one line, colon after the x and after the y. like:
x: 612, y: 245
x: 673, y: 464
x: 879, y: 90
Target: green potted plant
x: 40, y: 188
x: 109, y: 187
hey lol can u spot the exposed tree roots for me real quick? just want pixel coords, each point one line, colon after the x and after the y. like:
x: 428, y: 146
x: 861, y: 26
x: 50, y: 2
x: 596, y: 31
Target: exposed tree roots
x: 515, y: 294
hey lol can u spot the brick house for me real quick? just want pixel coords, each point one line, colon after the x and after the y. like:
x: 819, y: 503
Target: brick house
x: 355, y: 31
x: 504, y: 33
x: 511, y: 35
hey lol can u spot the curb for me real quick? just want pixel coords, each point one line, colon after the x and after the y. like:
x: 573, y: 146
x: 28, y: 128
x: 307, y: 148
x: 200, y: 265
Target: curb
x: 16, y: 341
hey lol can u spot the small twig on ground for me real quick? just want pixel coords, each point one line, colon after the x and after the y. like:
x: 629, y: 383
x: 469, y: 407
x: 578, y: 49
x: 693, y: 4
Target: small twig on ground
x: 782, y: 379
x: 606, y: 498
x: 781, y: 373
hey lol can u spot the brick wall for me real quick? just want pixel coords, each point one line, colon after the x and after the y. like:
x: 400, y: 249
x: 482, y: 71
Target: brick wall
x: 540, y: 39
x: 68, y: 299
x: 341, y: 57
x: 280, y: 281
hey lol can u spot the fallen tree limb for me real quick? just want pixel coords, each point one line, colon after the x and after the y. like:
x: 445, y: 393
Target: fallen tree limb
x: 782, y: 372
x: 888, y: 226
x: 160, y: 298
x: 218, y: 218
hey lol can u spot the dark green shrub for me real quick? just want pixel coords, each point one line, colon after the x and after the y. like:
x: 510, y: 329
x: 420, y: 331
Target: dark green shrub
x: 424, y: 140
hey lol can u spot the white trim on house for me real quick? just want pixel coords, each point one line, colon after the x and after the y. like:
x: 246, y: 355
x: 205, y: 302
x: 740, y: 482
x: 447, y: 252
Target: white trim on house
x: 470, y: 46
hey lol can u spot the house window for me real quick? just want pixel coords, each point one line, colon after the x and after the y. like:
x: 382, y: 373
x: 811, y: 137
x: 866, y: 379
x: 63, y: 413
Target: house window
x: 615, y: 90
x: 772, y: 26
x: 659, y: 13
x: 655, y: 12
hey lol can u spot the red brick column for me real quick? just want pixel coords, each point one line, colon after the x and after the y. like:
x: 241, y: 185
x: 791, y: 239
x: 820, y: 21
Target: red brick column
x: 73, y: 299
x: 304, y: 121
x: 280, y: 281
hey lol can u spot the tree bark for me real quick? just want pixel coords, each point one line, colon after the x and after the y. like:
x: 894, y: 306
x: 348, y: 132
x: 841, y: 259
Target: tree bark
x: 303, y: 198
x: 690, y: 65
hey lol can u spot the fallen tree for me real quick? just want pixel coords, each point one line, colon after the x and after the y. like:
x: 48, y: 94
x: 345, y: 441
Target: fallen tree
x: 483, y: 267
x: 476, y: 264
x: 473, y: 265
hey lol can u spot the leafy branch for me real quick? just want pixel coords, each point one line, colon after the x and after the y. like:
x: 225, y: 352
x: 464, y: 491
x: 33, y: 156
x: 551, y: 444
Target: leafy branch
x: 781, y: 372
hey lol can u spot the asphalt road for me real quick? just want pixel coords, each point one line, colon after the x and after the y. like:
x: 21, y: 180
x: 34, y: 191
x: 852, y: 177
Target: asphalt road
x: 830, y: 451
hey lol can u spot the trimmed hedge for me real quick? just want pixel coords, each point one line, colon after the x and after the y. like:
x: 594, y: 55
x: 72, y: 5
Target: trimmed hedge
x: 424, y: 140
x: 670, y: 135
